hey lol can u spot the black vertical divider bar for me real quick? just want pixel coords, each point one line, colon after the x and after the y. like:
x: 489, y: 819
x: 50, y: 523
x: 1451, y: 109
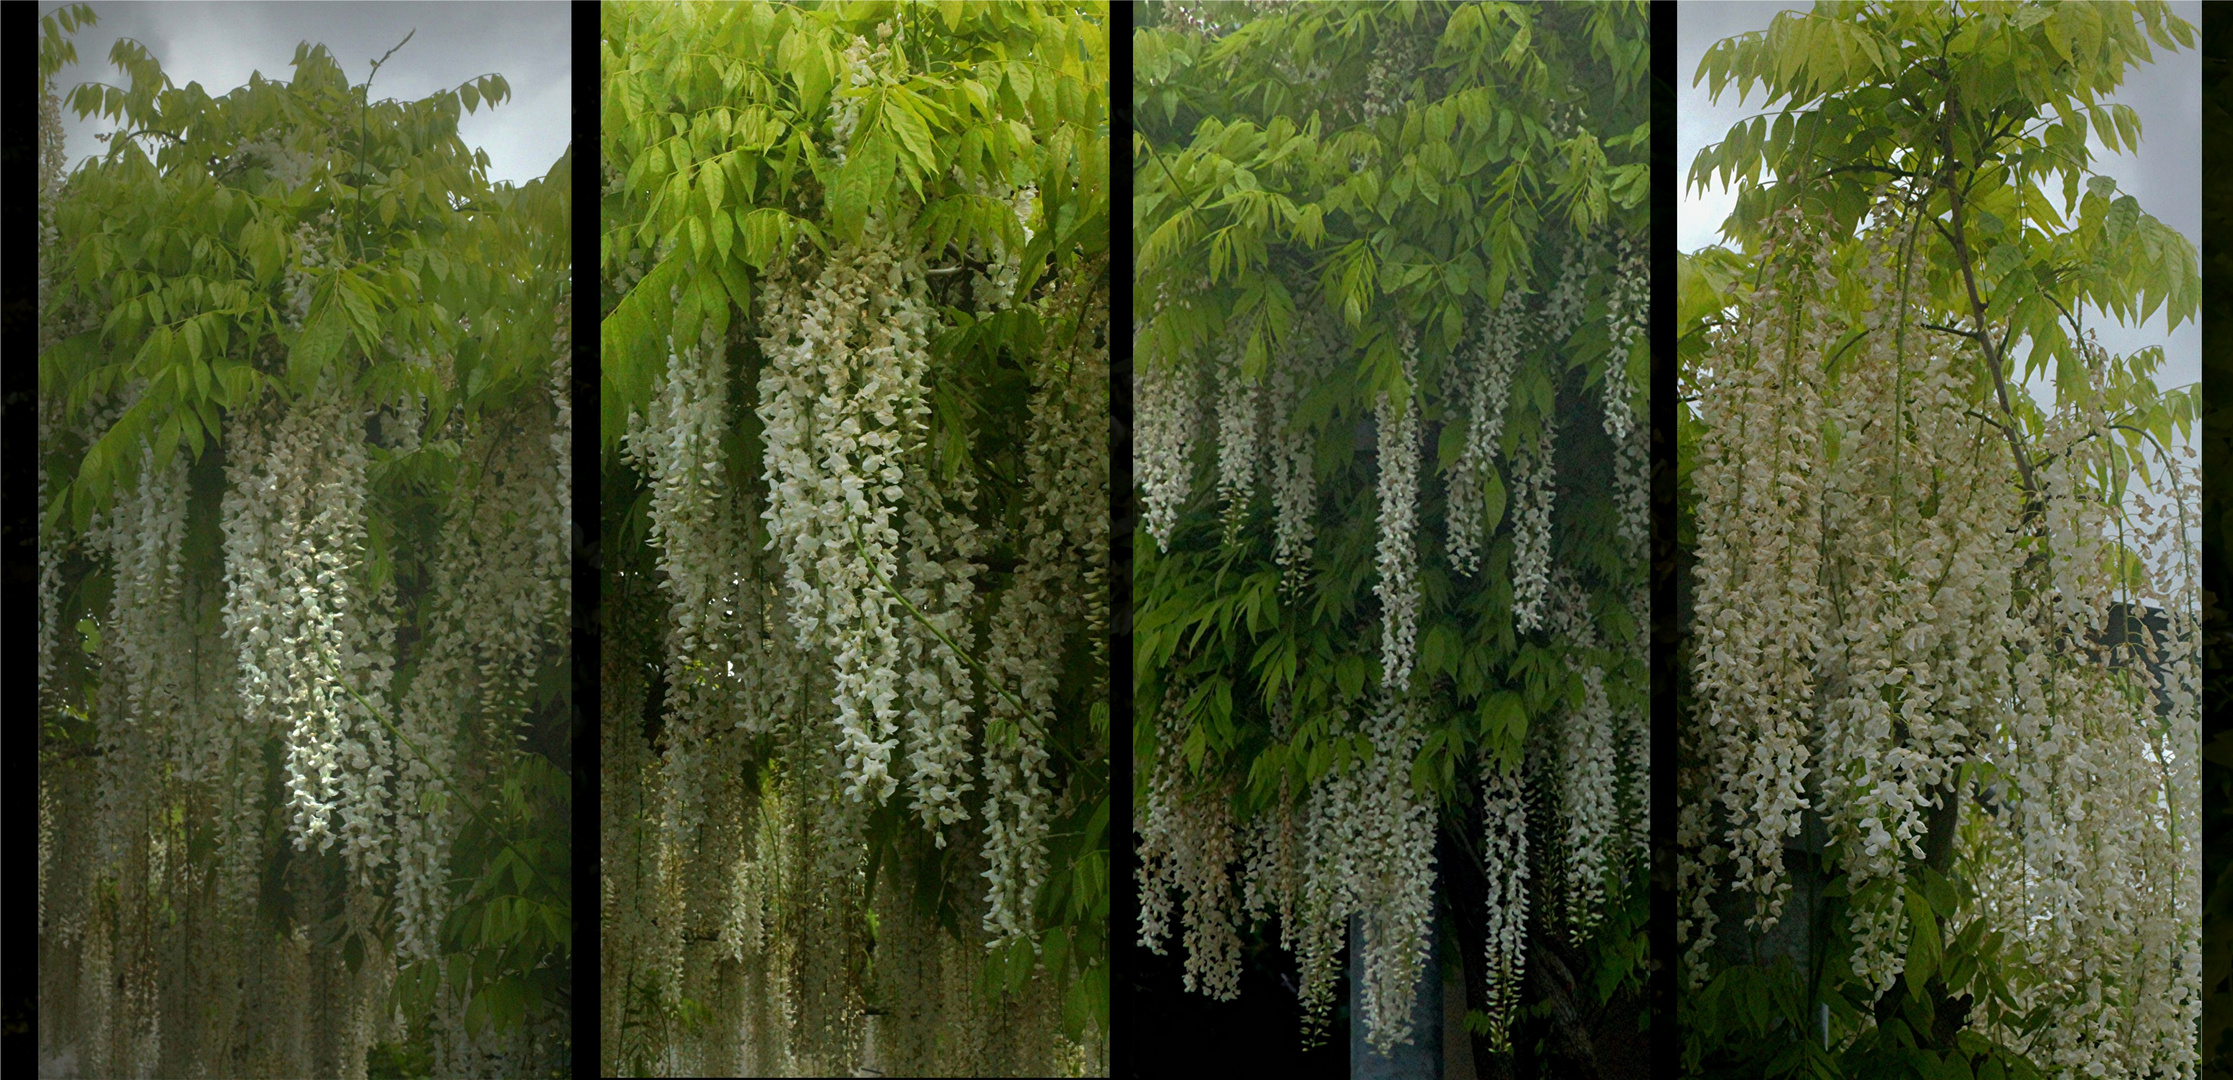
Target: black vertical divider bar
x: 19, y: 525
x: 1123, y: 892
x: 2217, y: 297
x: 588, y: 476
x: 1665, y: 178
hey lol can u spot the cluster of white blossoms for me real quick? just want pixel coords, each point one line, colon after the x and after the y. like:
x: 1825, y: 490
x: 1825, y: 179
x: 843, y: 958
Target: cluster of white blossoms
x: 51, y: 144
x: 841, y: 399
x: 1562, y: 309
x: 1627, y: 314
x: 1395, y: 898
x: 1359, y: 843
x: 1504, y: 862
x: 881, y: 562
x: 1479, y: 381
x: 315, y: 247
x: 250, y: 609
x: 312, y: 666
x: 497, y: 604
x: 1398, y: 557
x: 1364, y: 849
x: 1756, y: 623
x: 289, y: 167
x: 142, y: 540
x: 1186, y: 845
x: 1876, y: 624
x: 1168, y: 416
x: 1588, y: 813
x: 1065, y: 540
x: 1396, y: 60
x: 1535, y: 482
x: 994, y: 287
x: 1293, y: 450
x: 938, y: 579
x: 845, y: 109
x: 695, y: 518
x: 757, y: 910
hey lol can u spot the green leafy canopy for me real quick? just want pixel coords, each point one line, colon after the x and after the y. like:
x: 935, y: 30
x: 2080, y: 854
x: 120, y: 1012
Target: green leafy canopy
x: 176, y: 245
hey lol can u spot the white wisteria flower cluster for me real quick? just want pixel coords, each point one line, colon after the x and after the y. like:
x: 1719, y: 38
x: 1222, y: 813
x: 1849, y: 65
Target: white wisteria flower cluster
x: 1239, y: 413
x: 1398, y: 558
x: 1897, y: 636
x: 1293, y: 451
x: 297, y: 612
x: 1587, y: 771
x: 1535, y: 476
x: 1480, y: 380
x: 1163, y: 397
x: 840, y: 400
x: 1505, y: 861
x: 1627, y: 315
x: 1756, y: 622
x: 852, y: 650
x: 1065, y: 534
x: 1357, y: 844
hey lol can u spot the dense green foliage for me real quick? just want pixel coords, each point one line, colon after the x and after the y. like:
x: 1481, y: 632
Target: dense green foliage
x: 1337, y: 180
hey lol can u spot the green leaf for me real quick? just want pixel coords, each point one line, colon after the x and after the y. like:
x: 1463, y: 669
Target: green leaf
x: 801, y: 58
x: 1923, y: 943
x: 713, y: 183
x: 914, y: 136
x: 1940, y: 893
x: 860, y: 186
x: 1503, y: 720
x: 722, y: 234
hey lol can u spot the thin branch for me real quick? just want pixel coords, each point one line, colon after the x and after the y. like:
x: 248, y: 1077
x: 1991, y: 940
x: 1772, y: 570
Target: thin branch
x: 1970, y: 334
x: 1977, y: 306
x: 1871, y: 168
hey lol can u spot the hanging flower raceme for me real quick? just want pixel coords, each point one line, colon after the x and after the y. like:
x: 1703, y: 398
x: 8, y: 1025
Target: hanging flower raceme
x: 1293, y: 452
x: 313, y: 658
x: 1164, y: 446
x: 1065, y: 538
x: 841, y: 400
x: 1399, y: 514
x: 872, y: 539
x: 1481, y: 379
x: 1504, y: 858
x: 1537, y: 483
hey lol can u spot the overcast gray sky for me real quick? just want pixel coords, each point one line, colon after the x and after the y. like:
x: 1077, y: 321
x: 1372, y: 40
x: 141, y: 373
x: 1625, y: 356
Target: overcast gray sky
x: 2165, y: 175
x: 219, y: 44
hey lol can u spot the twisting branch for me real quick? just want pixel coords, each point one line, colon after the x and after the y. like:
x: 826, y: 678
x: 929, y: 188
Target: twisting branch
x: 1993, y: 351
x: 1970, y: 334
x: 364, y: 134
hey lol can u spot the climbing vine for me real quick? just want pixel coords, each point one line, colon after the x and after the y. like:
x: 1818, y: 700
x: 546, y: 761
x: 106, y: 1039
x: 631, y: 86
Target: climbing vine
x: 1393, y: 273
x: 1939, y: 724
x: 854, y: 288
x: 303, y: 426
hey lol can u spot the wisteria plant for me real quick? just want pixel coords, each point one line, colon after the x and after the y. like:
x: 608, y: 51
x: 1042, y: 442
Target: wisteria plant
x: 1939, y: 723
x: 854, y: 287
x: 303, y: 583
x: 1390, y: 383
